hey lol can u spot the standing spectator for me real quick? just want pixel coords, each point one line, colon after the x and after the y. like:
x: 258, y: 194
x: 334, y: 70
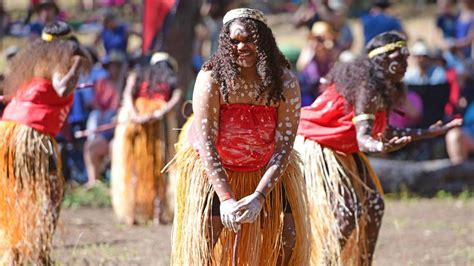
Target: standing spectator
x: 446, y: 18
x: 378, y: 20
x: 114, y: 35
x: 315, y: 60
x: 465, y: 28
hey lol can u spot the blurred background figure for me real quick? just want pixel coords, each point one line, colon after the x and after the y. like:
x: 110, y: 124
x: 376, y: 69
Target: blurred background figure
x: 114, y: 34
x: 105, y: 104
x: 315, y: 60
x: 424, y: 70
x: 460, y: 141
x: 446, y: 18
x: 378, y: 20
x: 47, y: 11
x: 333, y: 12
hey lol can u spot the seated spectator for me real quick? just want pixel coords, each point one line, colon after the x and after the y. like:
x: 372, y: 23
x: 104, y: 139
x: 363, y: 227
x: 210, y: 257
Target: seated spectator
x: 105, y: 105
x: 460, y: 141
x: 315, y: 60
x: 378, y: 20
x: 424, y: 71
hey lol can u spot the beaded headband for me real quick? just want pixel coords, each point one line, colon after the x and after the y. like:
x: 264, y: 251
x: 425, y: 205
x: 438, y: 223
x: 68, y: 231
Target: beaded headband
x: 49, y: 37
x: 244, y: 13
x: 387, y: 48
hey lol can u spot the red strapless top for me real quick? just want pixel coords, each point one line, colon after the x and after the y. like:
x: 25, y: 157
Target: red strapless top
x: 38, y: 106
x: 158, y: 91
x: 246, y: 137
x: 328, y: 121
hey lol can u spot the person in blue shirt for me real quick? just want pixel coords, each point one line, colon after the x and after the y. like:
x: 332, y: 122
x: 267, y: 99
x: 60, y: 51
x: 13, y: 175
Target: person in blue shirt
x: 114, y: 35
x: 447, y: 17
x: 378, y: 21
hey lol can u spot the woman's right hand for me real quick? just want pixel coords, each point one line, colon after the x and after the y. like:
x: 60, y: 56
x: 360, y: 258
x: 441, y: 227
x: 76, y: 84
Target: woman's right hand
x: 228, y: 217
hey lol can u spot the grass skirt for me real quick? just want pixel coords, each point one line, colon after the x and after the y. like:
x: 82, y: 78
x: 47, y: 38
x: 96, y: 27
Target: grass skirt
x: 31, y: 191
x: 261, y: 241
x: 138, y: 155
x: 327, y: 175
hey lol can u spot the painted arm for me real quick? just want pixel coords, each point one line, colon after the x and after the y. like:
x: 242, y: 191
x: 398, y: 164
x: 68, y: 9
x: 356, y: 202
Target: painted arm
x: 249, y: 208
x: 175, y: 98
x: 206, y: 107
x: 434, y: 130
x: 128, y: 99
x: 364, y: 123
x: 65, y: 84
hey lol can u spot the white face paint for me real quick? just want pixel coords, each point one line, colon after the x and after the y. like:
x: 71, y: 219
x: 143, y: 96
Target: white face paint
x: 244, y: 48
x: 392, y: 67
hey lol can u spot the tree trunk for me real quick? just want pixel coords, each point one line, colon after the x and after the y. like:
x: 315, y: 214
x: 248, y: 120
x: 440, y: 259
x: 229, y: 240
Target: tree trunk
x: 424, y: 177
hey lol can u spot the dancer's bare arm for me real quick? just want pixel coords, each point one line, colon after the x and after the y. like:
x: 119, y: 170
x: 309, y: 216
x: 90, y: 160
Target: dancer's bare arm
x: 364, y: 123
x: 206, y: 107
x: 64, y: 84
x: 288, y: 115
x: 434, y: 130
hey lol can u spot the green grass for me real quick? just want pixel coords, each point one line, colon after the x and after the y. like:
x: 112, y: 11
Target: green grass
x: 98, y: 196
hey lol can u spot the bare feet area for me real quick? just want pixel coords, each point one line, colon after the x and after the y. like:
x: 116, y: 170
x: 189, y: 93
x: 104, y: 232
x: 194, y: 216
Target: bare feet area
x: 414, y: 232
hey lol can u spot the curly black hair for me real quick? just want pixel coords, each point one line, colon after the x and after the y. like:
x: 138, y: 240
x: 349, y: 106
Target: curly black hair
x: 364, y: 81
x: 158, y: 73
x: 270, y: 61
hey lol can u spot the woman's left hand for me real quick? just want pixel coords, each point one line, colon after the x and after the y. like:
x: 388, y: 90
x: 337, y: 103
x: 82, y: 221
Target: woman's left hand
x: 248, y: 208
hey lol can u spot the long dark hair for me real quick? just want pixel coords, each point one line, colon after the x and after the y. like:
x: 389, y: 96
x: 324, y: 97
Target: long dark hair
x: 40, y: 58
x: 364, y: 81
x: 270, y: 61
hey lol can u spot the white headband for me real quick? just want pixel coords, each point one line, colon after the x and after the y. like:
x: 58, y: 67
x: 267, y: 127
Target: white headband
x: 244, y: 13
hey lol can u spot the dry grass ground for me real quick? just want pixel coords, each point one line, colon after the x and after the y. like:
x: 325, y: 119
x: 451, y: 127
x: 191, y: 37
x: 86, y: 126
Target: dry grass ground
x: 414, y: 232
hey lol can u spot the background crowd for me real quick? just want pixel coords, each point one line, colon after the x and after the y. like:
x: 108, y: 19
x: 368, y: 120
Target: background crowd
x: 439, y: 79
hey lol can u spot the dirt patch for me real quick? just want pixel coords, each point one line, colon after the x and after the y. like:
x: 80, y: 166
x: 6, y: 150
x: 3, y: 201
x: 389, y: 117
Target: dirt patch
x: 415, y: 232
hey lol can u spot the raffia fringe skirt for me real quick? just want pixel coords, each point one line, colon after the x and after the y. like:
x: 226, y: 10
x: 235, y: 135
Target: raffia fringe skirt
x: 261, y: 241
x: 138, y: 154
x: 327, y: 175
x: 31, y: 192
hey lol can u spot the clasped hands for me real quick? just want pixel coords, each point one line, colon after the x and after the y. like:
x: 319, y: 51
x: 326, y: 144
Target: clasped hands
x: 246, y: 210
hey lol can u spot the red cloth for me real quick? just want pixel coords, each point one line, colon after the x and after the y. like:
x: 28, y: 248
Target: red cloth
x: 159, y: 91
x: 106, y: 97
x: 154, y: 14
x: 246, y: 138
x: 38, y: 106
x: 450, y: 107
x: 328, y: 121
